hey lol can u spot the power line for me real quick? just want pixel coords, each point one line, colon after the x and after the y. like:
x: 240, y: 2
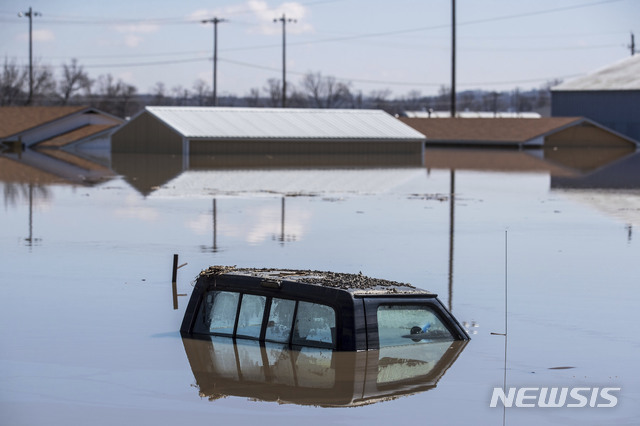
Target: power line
x: 132, y: 55
x: 443, y: 26
x: 144, y: 64
x: 96, y: 20
x: 405, y: 83
x: 344, y: 79
x: 208, y: 58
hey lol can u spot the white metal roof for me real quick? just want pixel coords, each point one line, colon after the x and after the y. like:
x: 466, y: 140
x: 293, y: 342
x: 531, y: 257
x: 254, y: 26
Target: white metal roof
x: 284, y: 123
x: 623, y: 75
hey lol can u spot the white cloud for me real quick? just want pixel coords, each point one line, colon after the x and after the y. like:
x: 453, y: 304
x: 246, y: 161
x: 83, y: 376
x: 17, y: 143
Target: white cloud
x: 263, y: 14
x: 223, y: 13
x: 126, y: 76
x: 132, y: 40
x: 39, y: 35
x: 132, y: 37
x: 131, y: 208
x: 141, y: 213
x: 205, y: 76
x: 202, y: 225
x: 291, y: 10
x: 202, y: 14
x: 263, y: 223
x: 137, y: 28
x: 267, y: 224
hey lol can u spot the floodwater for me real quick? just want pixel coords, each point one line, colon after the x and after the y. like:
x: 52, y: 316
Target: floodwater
x: 89, y: 334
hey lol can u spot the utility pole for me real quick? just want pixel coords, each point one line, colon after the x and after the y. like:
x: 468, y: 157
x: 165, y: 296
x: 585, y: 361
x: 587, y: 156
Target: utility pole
x: 30, y: 14
x: 453, y: 58
x: 284, y: 21
x: 215, y: 21
x: 632, y: 46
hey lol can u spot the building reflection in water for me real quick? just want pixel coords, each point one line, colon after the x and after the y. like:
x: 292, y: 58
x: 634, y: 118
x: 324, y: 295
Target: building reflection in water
x: 572, y: 170
x: 231, y: 175
x: 28, y: 174
x: 313, y: 376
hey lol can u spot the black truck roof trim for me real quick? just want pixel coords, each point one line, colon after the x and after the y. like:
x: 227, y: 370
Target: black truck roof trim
x: 356, y: 284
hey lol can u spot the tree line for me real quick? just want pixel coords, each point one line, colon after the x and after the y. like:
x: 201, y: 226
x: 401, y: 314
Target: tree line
x: 74, y: 86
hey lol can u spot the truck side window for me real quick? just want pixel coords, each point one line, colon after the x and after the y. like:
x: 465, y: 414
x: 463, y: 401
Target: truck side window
x: 409, y: 324
x: 218, y: 313
x: 251, y: 313
x: 280, y: 320
x: 315, y: 324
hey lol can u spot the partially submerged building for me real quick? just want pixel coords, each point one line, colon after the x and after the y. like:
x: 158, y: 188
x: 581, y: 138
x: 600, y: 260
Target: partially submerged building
x: 609, y: 96
x: 545, y: 132
x: 44, y: 144
x: 227, y: 133
x: 55, y: 126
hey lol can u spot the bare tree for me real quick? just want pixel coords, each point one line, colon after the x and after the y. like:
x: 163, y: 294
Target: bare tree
x: 297, y: 99
x: 467, y: 101
x: 490, y: 102
x: 443, y: 100
x: 159, y: 92
x: 12, y: 82
x: 44, y: 84
x: 74, y: 79
x: 253, y: 98
x: 115, y: 96
x: 127, y: 105
x: 357, y: 100
x: 180, y: 95
x: 325, y: 92
x: 107, y: 90
x: 413, y: 101
x: 201, y: 92
x: 380, y: 99
x: 544, y: 93
x: 274, y: 92
x: 312, y: 83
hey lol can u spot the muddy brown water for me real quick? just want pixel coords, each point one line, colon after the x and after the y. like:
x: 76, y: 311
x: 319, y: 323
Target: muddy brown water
x: 90, y: 336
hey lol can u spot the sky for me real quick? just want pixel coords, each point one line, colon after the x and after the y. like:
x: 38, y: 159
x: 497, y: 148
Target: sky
x: 399, y: 46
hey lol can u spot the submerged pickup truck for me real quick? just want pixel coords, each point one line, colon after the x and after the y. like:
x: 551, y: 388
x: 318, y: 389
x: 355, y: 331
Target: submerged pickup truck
x: 304, y: 308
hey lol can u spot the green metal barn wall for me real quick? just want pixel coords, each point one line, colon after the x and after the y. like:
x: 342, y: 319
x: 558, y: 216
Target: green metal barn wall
x: 262, y: 147
x: 146, y: 134
x: 304, y: 153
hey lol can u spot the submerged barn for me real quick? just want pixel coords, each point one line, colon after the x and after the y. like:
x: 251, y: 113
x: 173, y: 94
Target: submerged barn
x: 218, y: 131
x: 546, y: 132
x: 610, y: 96
x: 55, y: 126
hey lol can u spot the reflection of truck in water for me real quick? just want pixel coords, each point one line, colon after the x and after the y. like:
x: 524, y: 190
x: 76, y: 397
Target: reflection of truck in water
x: 342, y: 312
x: 316, y: 376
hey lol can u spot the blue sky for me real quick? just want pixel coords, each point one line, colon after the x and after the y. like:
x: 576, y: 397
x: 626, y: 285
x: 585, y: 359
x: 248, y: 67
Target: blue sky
x: 402, y: 45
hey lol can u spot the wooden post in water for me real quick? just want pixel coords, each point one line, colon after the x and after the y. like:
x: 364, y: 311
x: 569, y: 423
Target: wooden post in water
x: 174, y: 279
x: 174, y: 285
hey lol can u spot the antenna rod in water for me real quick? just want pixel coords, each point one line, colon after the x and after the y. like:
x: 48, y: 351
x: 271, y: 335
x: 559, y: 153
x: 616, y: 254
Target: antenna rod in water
x: 506, y: 318
x: 506, y: 321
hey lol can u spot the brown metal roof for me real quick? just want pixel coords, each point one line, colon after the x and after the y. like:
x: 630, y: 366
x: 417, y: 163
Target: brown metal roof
x: 75, y: 135
x: 13, y: 171
x: 488, y: 130
x: 14, y: 119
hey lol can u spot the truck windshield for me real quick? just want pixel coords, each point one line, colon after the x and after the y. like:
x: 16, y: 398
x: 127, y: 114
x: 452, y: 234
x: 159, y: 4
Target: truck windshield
x: 409, y: 324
